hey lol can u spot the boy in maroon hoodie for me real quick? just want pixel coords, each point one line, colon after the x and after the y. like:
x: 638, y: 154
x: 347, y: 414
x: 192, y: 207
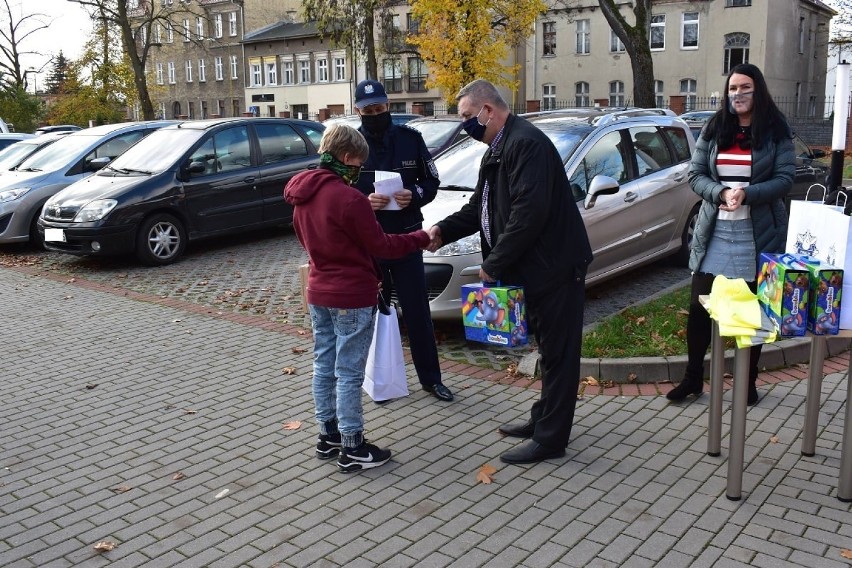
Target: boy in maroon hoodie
x: 336, y: 225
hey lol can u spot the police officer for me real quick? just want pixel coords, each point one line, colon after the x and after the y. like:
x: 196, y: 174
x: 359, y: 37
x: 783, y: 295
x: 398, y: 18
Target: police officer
x: 402, y: 150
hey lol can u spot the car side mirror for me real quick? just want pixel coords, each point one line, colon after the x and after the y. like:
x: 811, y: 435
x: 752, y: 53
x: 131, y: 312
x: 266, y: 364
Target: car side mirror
x: 98, y: 163
x: 197, y: 168
x: 601, y: 185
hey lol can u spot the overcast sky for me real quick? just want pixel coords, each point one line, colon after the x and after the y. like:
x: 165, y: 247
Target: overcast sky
x: 68, y: 31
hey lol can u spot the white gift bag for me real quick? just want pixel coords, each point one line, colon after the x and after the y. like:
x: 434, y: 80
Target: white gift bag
x: 820, y: 231
x: 384, y: 377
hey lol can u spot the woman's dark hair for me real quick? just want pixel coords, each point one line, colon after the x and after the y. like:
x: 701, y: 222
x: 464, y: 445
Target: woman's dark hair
x: 767, y: 122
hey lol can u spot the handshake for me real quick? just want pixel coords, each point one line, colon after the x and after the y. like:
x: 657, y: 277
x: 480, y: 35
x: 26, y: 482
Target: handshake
x: 435, y: 240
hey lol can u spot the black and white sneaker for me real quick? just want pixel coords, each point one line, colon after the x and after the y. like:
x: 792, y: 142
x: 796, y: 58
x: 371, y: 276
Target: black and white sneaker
x: 365, y: 456
x: 328, y: 446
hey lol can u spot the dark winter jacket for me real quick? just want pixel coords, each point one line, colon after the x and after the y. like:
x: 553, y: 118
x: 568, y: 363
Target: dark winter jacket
x: 401, y: 150
x: 773, y: 168
x: 537, y: 234
x: 336, y: 225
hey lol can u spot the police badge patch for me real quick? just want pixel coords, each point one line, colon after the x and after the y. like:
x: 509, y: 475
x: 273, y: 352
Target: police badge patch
x: 432, y: 168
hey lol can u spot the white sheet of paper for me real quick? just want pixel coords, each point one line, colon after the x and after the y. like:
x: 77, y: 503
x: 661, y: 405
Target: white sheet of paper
x: 388, y: 183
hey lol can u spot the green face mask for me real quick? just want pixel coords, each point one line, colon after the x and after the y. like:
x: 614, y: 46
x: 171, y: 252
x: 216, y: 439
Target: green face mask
x: 349, y: 174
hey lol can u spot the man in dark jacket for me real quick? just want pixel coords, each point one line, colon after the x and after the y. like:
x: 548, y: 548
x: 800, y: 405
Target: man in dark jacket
x: 401, y: 150
x: 532, y: 236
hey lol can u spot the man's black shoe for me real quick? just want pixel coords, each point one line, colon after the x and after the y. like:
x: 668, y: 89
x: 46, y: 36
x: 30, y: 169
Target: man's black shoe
x: 518, y: 429
x: 439, y: 391
x: 531, y: 452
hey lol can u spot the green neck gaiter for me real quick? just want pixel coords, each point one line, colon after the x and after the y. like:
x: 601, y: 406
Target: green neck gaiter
x: 348, y: 173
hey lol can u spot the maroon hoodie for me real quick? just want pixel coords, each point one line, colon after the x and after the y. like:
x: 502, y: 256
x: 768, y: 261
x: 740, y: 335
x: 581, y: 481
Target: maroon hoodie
x: 337, y: 226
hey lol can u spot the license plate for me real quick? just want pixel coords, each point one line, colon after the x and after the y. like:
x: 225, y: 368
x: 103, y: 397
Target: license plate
x: 54, y: 235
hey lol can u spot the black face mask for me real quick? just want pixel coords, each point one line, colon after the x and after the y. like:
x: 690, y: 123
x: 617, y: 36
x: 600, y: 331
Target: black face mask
x: 376, y: 123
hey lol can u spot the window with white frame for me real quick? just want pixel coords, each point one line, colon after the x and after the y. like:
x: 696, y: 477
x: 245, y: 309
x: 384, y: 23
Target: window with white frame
x: 271, y: 73
x: 339, y: 68
x: 202, y: 71
x: 392, y: 75
x: 615, y: 43
x: 736, y: 50
x: 256, y: 74
x: 170, y: 32
x: 658, y: 32
x: 143, y: 35
x: 659, y: 97
x: 232, y: 24
x: 581, y: 94
x: 162, y: 111
x: 217, y: 25
x: 188, y: 68
x: 185, y: 29
x: 689, y: 88
x: 584, y: 39
x: 737, y: 3
x: 159, y: 73
x: 548, y: 96
x: 288, y: 73
x: 417, y: 75
x: 616, y: 93
x: 304, y: 71
x: 219, y: 68
x: 172, y: 73
x: 158, y: 33
x: 234, y: 67
x: 322, y: 70
x: 548, y: 33
x: 199, y: 27
x: 689, y: 31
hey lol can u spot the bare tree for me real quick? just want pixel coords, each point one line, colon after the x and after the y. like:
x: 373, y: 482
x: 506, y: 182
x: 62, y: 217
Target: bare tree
x: 635, y: 39
x: 13, y: 33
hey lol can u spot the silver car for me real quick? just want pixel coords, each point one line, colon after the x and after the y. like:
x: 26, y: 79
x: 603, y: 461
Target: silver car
x: 628, y: 172
x: 24, y: 190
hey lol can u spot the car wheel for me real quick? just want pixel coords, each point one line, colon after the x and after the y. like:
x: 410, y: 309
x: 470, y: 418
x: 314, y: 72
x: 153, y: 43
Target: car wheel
x: 36, y: 242
x: 682, y: 255
x: 161, y: 240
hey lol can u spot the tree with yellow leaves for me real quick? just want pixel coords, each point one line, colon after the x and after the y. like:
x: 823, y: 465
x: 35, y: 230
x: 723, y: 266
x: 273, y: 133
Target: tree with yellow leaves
x: 463, y: 40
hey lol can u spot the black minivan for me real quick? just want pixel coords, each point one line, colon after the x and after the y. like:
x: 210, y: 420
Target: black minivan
x: 183, y: 182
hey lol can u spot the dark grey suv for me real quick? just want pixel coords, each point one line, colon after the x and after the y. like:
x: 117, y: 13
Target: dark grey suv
x: 192, y: 180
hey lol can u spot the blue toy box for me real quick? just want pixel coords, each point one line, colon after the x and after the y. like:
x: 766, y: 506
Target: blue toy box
x: 782, y: 290
x: 826, y: 289
x: 494, y: 314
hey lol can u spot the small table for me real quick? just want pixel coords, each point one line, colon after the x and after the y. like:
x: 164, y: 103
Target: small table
x: 738, y: 411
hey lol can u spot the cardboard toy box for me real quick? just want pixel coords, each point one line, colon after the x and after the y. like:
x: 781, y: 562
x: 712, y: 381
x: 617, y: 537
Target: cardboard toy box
x: 494, y: 314
x: 783, y: 293
x: 824, y: 295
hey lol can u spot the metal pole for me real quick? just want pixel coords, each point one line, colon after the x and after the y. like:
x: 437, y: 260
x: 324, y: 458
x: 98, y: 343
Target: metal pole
x: 736, y: 459
x: 809, y: 431
x: 841, y: 115
x: 844, y: 488
x: 717, y: 368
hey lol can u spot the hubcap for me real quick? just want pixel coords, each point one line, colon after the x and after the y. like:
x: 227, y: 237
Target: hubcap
x: 163, y: 240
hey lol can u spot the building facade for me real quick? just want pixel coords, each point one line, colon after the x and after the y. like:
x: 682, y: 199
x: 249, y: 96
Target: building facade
x: 576, y: 59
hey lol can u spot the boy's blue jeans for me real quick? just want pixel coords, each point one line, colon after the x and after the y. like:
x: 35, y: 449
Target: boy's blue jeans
x: 341, y: 342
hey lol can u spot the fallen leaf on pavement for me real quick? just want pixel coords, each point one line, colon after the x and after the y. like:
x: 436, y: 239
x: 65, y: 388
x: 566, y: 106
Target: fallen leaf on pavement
x: 105, y: 546
x: 222, y: 493
x: 485, y: 472
x: 774, y: 439
x: 607, y: 384
x: 121, y: 489
x: 292, y: 425
x: 846, y: 553
x: 289, y: 370
x: 591, y: 381
x: 91, y: 386
x: 631, y: 377
x: 178, y: 476
x: 189, y: 411
x: 298, y: 350
x: 303, y: 332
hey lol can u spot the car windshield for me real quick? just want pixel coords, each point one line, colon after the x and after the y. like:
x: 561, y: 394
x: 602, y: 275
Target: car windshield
x: 458, y: 167
x: 59, y: 153
x: 14, y: 154
x: 158, y: 151
x: 435, y: 132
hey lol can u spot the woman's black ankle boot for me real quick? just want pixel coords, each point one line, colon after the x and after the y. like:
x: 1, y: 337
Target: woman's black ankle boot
x: 686, y: 387
x: 752, y: 391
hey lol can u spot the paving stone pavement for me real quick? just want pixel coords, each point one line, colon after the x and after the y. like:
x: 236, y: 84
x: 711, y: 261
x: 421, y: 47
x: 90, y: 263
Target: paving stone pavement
x: 126, y: 417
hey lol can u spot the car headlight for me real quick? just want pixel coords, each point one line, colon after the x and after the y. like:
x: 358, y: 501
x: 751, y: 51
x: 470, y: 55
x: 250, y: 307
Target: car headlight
x: 13, y: 194
x: 468, y: 245
x: 95, y: 210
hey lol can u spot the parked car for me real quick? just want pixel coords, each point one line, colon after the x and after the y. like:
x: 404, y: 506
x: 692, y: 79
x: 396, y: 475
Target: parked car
x: 7, y: 140
x: 439, y: 132
x: 354, y: 120
x: 697, y: 116
x: 184, y: 182
x: 627, y: 170
x: 56, y: 128
x: 24, y: 190
x: 12, y: 156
